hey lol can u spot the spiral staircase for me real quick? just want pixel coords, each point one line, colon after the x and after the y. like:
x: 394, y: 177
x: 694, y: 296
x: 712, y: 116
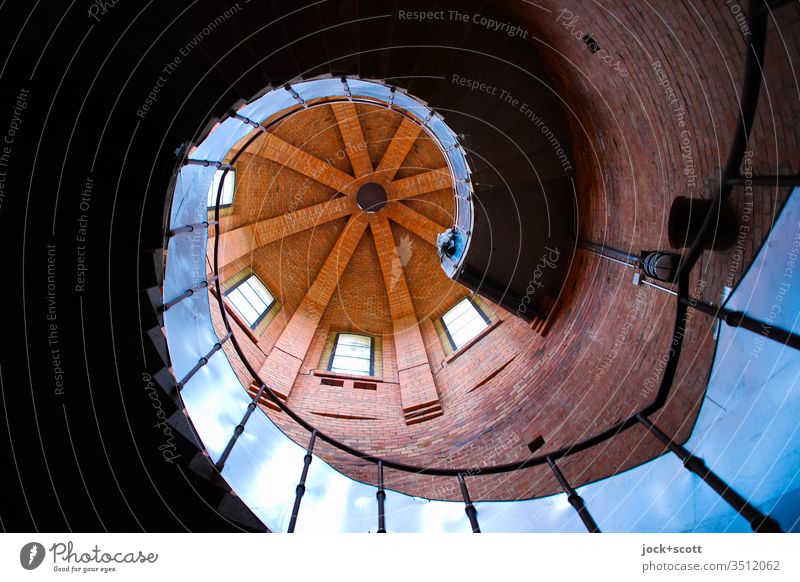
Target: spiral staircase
x: 259, y: 479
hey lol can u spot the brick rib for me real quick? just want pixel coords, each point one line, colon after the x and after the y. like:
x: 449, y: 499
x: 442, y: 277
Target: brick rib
x: 236, y: 243
x: 398, y: 149
x: 275, y: 149
x: 419, y: 184
x: 283, y: 363
x: 419, y: 224
x: 417, y: 386
x: 353, y: 137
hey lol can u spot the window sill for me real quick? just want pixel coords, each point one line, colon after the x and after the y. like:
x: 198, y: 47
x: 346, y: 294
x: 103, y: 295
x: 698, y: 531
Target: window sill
x: 341, y: 376
x: 473, y: 341
x: 223, y: 211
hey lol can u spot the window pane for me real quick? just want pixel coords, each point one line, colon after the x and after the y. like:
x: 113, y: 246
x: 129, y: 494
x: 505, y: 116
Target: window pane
x: 353, y: 339
x: 469, y: 331
x: 352, y: 351
x: 463, y: 322
x: 353, y: 354
x: 227, y: 188
x: 350, y: 365
x: 251, y: 299
x: 257, y: 286
x: 459, y: 322
x: 461, y: 308
x: 243, y: 306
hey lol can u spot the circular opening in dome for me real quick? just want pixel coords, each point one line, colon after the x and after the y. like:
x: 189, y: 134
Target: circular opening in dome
x: 371, y: 197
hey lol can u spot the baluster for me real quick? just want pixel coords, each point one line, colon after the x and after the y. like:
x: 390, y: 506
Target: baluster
x: 188, y: 293
x: 206, y: 164
x: 190, y: 227
x: 301, y: 487
x: 294, y: 93
x: 574, y: 499
x: 203, y: 361
x: 739, y: 319
x: 472, y: 513
x: 250, y: 122
x: 758, y: 521
x: 237, y: 432
x: 381, y: 495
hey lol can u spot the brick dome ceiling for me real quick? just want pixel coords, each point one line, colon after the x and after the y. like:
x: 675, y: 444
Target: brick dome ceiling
x: 297, y: 194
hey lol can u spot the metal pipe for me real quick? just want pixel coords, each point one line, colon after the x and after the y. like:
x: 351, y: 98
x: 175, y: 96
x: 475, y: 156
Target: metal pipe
x: 758, y: 521
x: 740, y: 319
x: 237, y: 432
x: 575, y: 500
x: 294, y: 94
x: 206, y: 164
x: 190, y: 227
x: 203, y: 361
x: 301, y: 487
x: 381, y: 495
x: 608, y: 253
x: 659, y: 287
x: 470, y: 510
x: 249, y: 121
x: 188, y: 293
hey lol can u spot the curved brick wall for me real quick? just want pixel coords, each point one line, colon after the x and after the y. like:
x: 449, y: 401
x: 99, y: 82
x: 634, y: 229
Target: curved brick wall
x: 651, y: 122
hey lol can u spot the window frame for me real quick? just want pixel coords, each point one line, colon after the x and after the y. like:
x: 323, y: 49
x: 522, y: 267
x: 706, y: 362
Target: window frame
x: 350, y: 372
x: 477, y: 308
x: 213, y: 198
x: 238, y: 284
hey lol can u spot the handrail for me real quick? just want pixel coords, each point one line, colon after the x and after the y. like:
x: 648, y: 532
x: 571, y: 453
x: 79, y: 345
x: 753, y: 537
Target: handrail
x: 751, y: 89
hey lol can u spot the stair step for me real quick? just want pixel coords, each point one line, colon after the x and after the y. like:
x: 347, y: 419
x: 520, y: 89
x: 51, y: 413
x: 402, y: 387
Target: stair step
x: 166, y: 382
x: 430, y: 61
x: 210, y: 484
x: 159, y: 341
x: 151, y: 261
x: 151, y: 316
x: 549, y: 307
x: 305, y: 39
x: 154, y: 350
x: 183, y: 426
x: 232, y: 508
x: 409, y: 35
